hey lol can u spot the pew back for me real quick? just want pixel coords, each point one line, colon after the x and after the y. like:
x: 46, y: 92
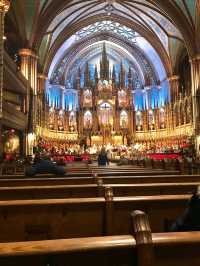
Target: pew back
x: 81, y: 217
x: 93, y: 190
x: 50, y: 180
x: 174, y: 249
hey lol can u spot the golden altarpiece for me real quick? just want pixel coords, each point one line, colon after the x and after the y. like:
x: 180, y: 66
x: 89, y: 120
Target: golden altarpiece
x: 105, y: 114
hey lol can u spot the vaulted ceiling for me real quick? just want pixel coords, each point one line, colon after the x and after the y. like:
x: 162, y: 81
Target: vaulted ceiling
x: 44, y: 25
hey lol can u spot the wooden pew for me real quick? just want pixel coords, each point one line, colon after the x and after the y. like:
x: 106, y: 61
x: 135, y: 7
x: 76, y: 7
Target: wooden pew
x: 100, y: 251
x: 145, y: 249
x: 63, y: 218
x: 50, y: 180
x: 105, y: 173
x: 176, y: 249
x: 162, y: 249
x: 95, y: 190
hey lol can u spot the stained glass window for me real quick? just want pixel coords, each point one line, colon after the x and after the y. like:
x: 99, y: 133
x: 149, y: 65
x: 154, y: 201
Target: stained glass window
x: 107, y: 26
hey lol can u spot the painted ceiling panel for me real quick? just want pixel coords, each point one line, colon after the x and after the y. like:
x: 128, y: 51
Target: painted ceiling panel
x: 144, y: 2
x: 146, y: 13
x: 132, y: 11
x: 166, y: 24
x: 43, y: 3
x: 163, y: 21
x: 44, y: 48
x: 182, y: 7
x: 18, y: 17
x: 158, y: 31
x: 175, y: 46
x: 191, y: 5
x: 68, y: 15
x: 62, y: 26
x: 30, y: 14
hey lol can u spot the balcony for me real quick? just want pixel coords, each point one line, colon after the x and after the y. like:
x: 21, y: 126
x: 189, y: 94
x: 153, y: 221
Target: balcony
x: 12, y: 117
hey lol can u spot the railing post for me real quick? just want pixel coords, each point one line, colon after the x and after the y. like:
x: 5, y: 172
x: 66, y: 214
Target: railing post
x: 109, y: 209
x: 95, y: 176
x: 143, y: 237
x: 100, y: 187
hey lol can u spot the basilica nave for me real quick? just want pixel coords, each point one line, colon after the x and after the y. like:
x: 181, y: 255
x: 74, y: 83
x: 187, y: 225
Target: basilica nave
x: 99, y: 132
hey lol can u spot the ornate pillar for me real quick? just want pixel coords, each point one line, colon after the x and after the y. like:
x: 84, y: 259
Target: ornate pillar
x: 174, y: 88
x: 130, y: 121
x: 29, y: 70
x: 29, y: 67
x: 41, y: 81
x: 145, y: 126
x: 4, y: 6
x: 171, y: 114
x: 195, y: 77
x: 157, y: 118
x: 130, y: 104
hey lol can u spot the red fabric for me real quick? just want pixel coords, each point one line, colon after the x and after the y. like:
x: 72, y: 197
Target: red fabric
x: 69, y: 158
x: 161, y: 156
x: 84, y: 157
x: 9, y: 157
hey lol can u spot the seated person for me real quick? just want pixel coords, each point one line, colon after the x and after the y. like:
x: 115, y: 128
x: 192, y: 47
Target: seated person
x: 103, y: 158
x: 123, y: 161
x: 43, y: 165
x: 190, y: 219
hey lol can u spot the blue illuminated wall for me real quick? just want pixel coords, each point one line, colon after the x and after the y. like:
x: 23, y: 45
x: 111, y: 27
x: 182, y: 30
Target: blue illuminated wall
x: 151, y: 97
x: 54, y: 96
x: 60, y: 98
x: 144, y: 97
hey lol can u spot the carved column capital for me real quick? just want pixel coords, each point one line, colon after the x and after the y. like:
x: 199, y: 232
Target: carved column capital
x: 195, y: 58
x: 27, y: 52
x: 4, y: 5
x: 173, y: 78
x: 42, y: 76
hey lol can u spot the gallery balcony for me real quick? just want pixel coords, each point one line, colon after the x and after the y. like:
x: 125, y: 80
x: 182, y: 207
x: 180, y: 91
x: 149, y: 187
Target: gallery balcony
x: 13, y: 117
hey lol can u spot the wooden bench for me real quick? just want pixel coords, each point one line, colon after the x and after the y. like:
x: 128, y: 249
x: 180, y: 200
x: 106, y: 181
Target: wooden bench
x: 104, y: 173
x: 50, y: 180
x: 144, y: 249
x: 95, y: 190
x: 63, y: 218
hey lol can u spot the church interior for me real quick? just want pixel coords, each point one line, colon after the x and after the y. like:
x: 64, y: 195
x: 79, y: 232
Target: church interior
x: 99, y: 132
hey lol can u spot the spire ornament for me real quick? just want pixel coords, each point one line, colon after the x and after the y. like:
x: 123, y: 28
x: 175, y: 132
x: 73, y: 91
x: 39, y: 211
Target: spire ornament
x: 104, y: 65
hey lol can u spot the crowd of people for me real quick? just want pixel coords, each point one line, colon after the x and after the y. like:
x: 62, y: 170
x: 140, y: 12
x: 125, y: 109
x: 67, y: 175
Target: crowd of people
x: 63, y: 152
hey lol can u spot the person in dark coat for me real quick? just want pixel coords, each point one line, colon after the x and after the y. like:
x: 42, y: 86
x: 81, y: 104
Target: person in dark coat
x: 43, y: 165
x: 103, y: 158
x: 190, y: 219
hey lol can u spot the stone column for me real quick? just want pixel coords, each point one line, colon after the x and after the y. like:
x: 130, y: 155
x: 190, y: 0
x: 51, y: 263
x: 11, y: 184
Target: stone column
x: 29, y: 70
x: 4, y: 6
x: 174, y: 88
x: 41, y: 81
x: 195, y: 77
x: 131, y: 124
x: 145, y: 123
x: 157, y: 118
